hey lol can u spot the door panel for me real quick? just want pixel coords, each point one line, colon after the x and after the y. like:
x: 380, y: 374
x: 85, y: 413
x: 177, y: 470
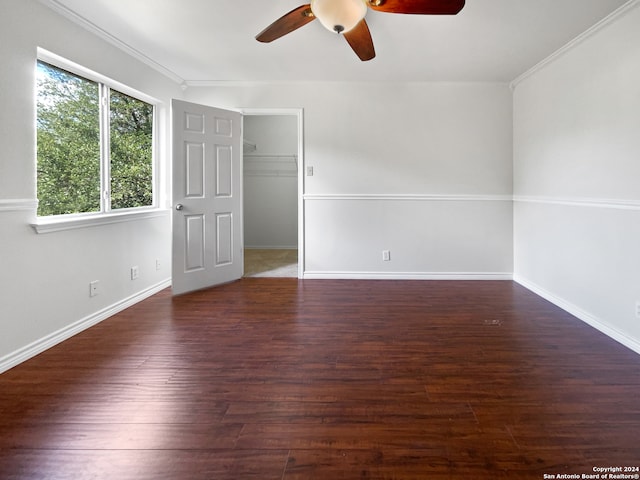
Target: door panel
x: 195, y: 170
x: 224, y: 253
x: 207, y: 196
x: 194, y: 242
x: 224, y: 171
x: 223, y: 127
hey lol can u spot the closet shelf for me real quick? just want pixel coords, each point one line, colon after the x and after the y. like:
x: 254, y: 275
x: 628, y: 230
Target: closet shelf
x: 271, y: 165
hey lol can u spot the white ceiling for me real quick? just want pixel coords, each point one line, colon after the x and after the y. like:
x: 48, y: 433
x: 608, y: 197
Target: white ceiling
x: 213, y: 40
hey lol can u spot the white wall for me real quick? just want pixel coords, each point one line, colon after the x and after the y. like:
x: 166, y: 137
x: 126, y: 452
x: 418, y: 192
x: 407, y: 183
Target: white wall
x: 271, y: 182
x: 423, y: 170
x: 44, y: 278
x: 576, y: 171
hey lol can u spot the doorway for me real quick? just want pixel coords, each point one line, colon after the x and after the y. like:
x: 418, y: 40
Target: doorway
x: 272, y: 193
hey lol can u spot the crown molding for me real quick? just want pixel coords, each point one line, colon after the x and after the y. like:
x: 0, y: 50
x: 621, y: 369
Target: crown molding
x: 126, y: 48
x: 285, y: 83
x: 612, y: 17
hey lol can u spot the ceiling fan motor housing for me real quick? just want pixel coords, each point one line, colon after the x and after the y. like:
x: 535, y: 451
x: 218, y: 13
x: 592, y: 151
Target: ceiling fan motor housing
x: 339, y: 16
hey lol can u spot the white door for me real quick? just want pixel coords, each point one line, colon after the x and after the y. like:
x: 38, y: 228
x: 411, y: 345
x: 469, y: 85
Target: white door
x: 207, y: 196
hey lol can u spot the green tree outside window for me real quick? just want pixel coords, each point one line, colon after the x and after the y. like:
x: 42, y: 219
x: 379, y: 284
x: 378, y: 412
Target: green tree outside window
x: 80, y: 163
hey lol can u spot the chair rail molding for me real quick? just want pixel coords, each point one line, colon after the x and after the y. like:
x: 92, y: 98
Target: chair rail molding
x: 618, y: 204
x: 18, y: 204
x: 411, y: 197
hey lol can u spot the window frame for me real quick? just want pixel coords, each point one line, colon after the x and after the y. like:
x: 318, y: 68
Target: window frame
x: 106, y: 215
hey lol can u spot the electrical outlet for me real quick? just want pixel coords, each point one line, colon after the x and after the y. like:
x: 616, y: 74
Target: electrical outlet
x: 158, y: 264
x: 134, y: 272
x: 93, y: 288
x: 309, y: 171
x: 386, y: 256
x: 638, y: 308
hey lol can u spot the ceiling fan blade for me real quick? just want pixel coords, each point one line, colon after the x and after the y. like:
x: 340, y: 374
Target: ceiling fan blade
x: 360, y: 40
x: 418, y: 7
x: 289, y: 22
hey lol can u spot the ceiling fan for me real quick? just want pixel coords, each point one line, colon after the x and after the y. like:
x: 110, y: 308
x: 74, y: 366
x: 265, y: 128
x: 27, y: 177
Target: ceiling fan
x: 346, y: 17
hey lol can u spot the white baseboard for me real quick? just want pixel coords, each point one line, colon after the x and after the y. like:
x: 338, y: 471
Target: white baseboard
x: 39, y: 346
x: 311, y: 275
x: 580, y: 314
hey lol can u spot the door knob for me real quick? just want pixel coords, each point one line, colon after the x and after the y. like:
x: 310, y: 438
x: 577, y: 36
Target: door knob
x: 179, y: 206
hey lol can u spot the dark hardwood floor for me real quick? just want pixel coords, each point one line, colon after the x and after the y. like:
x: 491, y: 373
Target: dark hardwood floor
x: 288, y: 379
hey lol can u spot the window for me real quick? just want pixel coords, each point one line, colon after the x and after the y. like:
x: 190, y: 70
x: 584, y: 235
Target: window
x: 95, y: 145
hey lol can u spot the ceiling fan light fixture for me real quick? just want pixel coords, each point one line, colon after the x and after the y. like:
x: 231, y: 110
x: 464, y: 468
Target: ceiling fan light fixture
x: 339, y: 16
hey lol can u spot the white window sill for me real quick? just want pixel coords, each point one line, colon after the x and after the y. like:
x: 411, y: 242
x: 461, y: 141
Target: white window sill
x: 70, y: 222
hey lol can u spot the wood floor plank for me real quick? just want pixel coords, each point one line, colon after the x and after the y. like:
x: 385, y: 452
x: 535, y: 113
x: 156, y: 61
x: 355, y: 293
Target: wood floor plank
x: 41, y: 410
x: 351, y: 436
x: 409, y: 464
x: 142, y: 464
x: 113, y: 436
x: 343, y: 379
x: 372, y: 411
